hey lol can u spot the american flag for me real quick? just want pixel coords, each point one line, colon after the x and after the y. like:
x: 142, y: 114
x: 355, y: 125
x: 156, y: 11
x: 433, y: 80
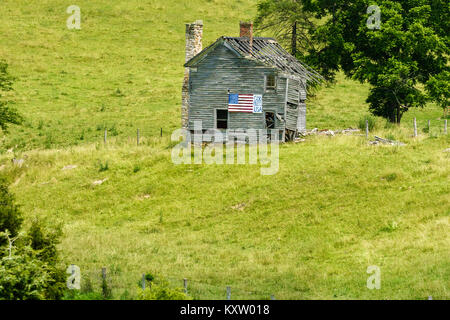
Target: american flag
x: 240, y: 103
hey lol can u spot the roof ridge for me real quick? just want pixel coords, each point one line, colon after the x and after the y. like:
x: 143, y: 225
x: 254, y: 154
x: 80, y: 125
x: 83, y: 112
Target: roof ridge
x: 264, y: 50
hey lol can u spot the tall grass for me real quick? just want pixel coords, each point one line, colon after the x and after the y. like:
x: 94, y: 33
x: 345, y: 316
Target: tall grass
x: 336, y: 206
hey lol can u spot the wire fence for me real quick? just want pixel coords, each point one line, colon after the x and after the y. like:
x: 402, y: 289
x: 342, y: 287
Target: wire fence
x: 106, y: 282
x: 140, y: 136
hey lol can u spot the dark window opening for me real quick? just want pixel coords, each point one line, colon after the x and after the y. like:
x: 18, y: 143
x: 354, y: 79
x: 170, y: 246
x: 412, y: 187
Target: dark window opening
x: 270, y: 120
x: 292, y: 105
x: 271, y: 82
x: 221, y: 119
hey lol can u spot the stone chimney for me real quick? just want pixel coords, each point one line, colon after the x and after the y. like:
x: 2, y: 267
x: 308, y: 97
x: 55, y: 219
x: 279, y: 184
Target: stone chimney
x: 246, y: 29
x: 194, y: 34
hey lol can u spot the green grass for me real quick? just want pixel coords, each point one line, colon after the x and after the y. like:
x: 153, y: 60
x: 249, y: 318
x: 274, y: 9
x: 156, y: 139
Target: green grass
x: 122, y: 70
x: 336, y: 206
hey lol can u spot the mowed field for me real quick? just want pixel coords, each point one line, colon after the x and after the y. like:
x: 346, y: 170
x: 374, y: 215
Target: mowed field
x: 336, y: 206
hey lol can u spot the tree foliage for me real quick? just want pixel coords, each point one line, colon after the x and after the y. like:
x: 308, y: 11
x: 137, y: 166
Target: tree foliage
x: 23, y: 276
x: 29, y: 265
x: 405, y: 61
x: 10, y: 215
x: 288, y: 22
x: 158, y: 289
x: 8, y: 115
x: 408, y: 52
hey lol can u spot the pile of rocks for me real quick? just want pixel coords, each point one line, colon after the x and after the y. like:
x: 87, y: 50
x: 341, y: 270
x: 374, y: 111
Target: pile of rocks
x: 379, y: 140
x: 327, y: 132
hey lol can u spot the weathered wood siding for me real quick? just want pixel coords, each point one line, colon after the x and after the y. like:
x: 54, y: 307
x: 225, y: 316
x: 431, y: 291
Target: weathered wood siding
x: 291, y: 116
x: 293, y: 92
x: 296, y: 108
x: 302, y: 92
x: 301, y: 121
x: 221, y: 71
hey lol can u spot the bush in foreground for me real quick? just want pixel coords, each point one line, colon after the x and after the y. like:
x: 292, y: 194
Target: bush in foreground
x: 158, y: 289
x: 28, y: 261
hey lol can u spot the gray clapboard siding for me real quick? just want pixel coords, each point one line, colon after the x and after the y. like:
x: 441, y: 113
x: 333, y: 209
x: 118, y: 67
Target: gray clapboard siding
x: 301, y: 121
x: 222, y: 72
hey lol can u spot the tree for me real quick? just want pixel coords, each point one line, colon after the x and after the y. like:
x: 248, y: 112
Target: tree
x: 28, y: 261
x: 439, y: 88
x: 289, y: 23
x: 23, y: 276
x: 8, y: 115
x: 10, y: 215
x: 405, y: 61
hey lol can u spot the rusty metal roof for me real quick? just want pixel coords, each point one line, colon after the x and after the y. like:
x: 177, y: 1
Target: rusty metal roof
x: 266, y: 51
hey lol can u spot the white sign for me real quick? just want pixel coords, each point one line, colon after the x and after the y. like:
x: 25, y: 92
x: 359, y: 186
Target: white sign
x: 257, y: 103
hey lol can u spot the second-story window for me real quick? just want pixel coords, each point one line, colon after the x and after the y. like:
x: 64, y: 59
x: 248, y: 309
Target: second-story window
x: 271, y: 82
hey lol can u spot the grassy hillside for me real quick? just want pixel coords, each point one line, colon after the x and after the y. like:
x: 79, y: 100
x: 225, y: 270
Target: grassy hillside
x: 336, y: 206
x: 121, y: 71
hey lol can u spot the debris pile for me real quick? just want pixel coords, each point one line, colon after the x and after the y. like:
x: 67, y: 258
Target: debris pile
x: 327, y: 132
x: 98, y: 182
x: 69, y: 167
x: 379, y: 140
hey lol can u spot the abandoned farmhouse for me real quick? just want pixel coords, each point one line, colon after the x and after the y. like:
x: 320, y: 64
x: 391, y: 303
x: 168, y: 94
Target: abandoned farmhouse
x: 244, y: 83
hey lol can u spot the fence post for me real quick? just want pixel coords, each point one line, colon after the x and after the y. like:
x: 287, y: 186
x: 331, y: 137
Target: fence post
x: 415, y: 127
x: 138, y: 136
x: 367, y: 129
x: 429, y: 127
x: 143, y: 281
x: 161, y: 132
x: 185, y: 285
x: 445, y: 126
x: 104, y: 137
x: 104, y: 284
x: 228, y: 293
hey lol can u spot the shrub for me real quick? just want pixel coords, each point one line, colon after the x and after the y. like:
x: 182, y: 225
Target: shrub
x: 29, y: 270
x: 23, y: 276
x: 371, y: 122
x: 76, y: 295
x: 10, y: 215
x: 103, y: 167
x: 44, y: 242
x: 390, y: 177
x: 8, y: 115
x: 158, y: 292
x: 158, y: 289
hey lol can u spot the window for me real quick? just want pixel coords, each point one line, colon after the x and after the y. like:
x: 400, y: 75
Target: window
x: 270, y: 120
x: 271, y: 82
x: 221, y: 118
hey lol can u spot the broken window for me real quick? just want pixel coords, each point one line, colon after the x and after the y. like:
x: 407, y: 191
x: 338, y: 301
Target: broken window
x: 270, y: 120
x: 221, y: 118
x: 271, y: 82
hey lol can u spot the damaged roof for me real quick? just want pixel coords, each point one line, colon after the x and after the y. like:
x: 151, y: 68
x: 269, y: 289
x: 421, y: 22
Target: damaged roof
x: 264, y: 50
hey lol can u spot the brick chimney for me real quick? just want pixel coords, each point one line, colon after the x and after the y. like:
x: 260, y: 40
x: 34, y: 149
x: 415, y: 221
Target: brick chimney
x: 246, y: 30
x: 194, y: 34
